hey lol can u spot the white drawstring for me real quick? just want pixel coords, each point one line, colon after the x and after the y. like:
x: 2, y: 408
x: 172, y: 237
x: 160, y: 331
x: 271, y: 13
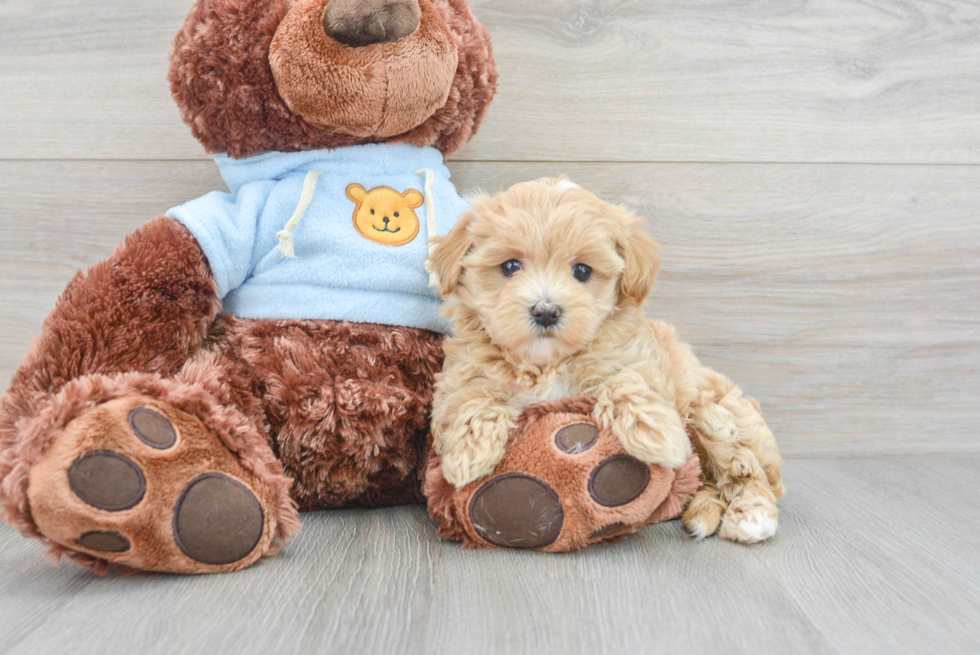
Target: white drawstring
x: 285, y: 237
x: 430, y: 223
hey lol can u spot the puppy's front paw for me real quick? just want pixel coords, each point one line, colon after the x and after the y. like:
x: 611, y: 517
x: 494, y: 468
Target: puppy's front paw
x: 474, y: 445
x: 750, y: 519
x: 653, y: 434
x: 463, y: 467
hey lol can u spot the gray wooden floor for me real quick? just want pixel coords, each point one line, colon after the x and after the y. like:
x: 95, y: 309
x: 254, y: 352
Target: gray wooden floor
x: 812, y: 169
x: 874, y: 556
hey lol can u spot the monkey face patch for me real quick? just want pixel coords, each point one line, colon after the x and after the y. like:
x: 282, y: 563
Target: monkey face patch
x: 385, y: 216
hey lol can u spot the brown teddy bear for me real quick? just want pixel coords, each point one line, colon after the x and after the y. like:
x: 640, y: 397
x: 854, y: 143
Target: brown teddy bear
x: 274, y: 348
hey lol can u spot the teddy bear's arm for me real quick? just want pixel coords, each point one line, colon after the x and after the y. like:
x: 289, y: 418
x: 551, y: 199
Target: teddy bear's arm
x: 145, y: 308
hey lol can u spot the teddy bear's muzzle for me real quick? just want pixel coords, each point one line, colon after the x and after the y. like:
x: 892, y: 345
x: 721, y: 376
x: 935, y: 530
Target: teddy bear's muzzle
x: 364, y: 68
x: 359, y: 23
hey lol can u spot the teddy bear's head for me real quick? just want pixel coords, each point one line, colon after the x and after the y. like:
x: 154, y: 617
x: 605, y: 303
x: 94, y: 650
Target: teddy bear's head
x: 289, y: 75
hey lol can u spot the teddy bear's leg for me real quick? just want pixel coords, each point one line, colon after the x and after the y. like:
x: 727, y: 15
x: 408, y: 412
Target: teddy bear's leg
x: 157, y: 474
x: 564, y: 483
x: 347, y: 405
x: 116, y: 411
x: 742, y: 466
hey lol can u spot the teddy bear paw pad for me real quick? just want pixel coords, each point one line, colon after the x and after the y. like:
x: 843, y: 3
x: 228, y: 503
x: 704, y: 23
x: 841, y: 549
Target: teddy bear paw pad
x: 107, y: 480
x: 218, y: 520
x: 105, y: 542
x: 577, y: 438
x: 619, y: 481
x: 152, y: 428
x: 517, y: 511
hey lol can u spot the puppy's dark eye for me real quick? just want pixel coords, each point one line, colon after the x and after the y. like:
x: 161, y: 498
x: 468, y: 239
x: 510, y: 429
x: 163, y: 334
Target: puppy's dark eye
x: 509, y: 268
x: 396, y: 214
x: 582, y: 272
x: 372, y: 212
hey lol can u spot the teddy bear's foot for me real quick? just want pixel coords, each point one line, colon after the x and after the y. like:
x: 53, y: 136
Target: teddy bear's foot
x: 564, y: 484
x: 138, y: 483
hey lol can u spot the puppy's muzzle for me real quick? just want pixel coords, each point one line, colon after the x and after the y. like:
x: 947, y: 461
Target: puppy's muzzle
x: 546, y: 314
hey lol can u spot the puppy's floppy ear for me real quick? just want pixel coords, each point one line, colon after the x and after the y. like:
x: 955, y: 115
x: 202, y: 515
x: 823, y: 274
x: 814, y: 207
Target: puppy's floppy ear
x: 640, y: 252
x: 447, y: 258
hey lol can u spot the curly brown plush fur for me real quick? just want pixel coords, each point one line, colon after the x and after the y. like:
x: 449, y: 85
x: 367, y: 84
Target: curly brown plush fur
x: 347, y: 404
x: 147, y: 308
x: 326, y: 413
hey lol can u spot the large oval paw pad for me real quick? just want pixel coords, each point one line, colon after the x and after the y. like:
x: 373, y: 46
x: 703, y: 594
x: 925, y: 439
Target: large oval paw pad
x: 217, y: 520
x: 517, y: 511
x: 107, y: 480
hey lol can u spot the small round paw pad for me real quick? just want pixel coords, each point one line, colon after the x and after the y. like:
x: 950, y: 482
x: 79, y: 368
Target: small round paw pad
x: 577, y: 438
x: 104, y: 541
x: 619, y: 480
x: 152, y: 428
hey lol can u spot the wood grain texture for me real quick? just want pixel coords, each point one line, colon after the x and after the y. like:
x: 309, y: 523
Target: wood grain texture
x: 845, y: 298
x: 632, y: 80
x: 872, y: 557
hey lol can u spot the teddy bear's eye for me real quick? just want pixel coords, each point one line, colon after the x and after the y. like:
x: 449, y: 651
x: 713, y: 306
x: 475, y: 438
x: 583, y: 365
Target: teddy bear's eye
x: 510, y: 267
x: 582, y: 273
x: 372, y: 212
x: 396, y: 214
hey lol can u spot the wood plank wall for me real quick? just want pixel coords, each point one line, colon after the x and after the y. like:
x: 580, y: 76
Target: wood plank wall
x: 811, y: 167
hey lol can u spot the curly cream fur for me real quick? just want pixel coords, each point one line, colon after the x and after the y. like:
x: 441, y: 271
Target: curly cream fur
x: 651, y: 390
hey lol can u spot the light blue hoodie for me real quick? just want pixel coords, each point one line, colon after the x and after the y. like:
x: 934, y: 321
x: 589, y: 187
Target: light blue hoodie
x: 248, y: 235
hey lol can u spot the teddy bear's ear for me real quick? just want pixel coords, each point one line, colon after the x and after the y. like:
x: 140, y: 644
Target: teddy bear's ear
x: 357, y: 193
x: 414, y: 198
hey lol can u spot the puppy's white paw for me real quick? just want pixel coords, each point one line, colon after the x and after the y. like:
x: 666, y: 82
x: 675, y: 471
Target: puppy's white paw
x: 750, y: 520
x: 703, y: 514
x: 697, y: 529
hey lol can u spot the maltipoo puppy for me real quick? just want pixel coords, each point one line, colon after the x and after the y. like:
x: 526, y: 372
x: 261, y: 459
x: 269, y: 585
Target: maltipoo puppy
x: 545, y: 285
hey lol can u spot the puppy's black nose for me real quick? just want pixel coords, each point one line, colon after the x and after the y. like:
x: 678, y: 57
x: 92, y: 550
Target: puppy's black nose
x: 386, y: 220
x: 546, y: 314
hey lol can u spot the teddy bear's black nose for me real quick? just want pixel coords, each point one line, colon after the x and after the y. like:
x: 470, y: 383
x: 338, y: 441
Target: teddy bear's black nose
x: 359, y: 23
